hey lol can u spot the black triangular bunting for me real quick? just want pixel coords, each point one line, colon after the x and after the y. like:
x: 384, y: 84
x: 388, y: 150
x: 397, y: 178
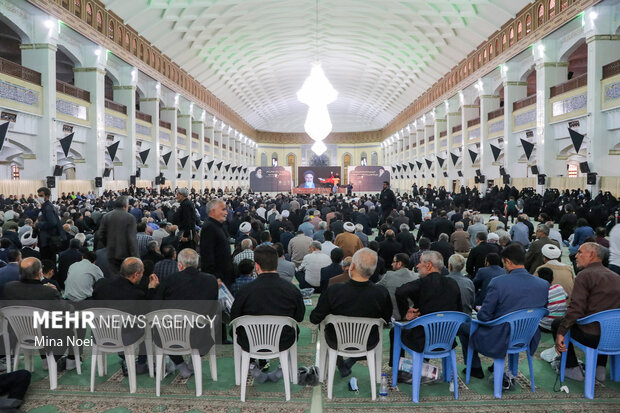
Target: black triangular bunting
x: 473, y: 155
x: 166, y: 158
x: 528, y: 147
x: 455, y: 158
x: 3, y: 130
x: 398, y: 167
x: 210, y: 164
x: 183, y: 161
x: 227, y: 167
x: 112, y: 149
x: 219, y: 165
x: 441, y: 161
x: 429, y: 163
x: 496, y: 151
x: 144, y: 155
x: 419, y: 164
x: 197, y: 162
x: 577, y: 139
x: 65, y: 143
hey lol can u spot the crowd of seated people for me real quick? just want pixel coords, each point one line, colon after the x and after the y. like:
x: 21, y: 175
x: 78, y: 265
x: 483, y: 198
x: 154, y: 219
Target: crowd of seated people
x: 430, y: 250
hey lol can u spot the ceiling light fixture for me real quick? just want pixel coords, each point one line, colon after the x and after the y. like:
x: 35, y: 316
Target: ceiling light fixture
x: 317, y: 93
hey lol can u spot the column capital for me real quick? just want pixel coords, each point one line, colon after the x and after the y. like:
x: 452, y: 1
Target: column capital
x: 89, y: 69
x: 36, y: 46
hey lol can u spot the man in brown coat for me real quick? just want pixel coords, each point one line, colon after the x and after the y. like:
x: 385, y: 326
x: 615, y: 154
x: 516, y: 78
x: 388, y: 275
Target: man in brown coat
x: 348, y: 241
x: 534, y: 256
x: 460, y: 238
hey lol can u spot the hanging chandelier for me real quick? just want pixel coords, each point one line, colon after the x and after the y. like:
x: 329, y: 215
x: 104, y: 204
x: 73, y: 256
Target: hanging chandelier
x: 317, y: 93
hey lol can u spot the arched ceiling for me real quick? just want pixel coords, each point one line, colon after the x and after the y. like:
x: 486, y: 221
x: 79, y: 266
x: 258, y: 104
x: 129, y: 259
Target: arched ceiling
x: 255, y: 54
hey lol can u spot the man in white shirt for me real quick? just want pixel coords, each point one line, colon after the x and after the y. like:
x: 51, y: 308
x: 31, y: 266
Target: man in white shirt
x: 311, y: 265
x: 82, y: 277
x: 328, y: 245
x: 554, y: 234
x: 260, y: 211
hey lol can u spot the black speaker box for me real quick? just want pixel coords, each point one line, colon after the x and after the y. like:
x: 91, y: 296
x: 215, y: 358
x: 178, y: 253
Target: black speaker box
x: 460, y: 173
x: 157, y: 180
x: 132, y: 180
x: 58, y: 170
x: 481, y: 179
x: 477, y: 179
x: 178, y: 176
x: 584, y: 168
x: 445, y: 174
x: 542, y: 179
x: 502, y: 171
x: 591, y: 179
x: 138, y: 172
x: 51, y: 182
x: 106, y: 172
x: 506, y: 179
x: 98, y: 182
x: 478, y: 172
x: 535, y: 169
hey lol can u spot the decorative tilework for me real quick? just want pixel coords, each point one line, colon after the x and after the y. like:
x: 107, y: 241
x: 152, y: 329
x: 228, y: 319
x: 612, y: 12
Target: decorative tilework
x: 474, y: 133
x: 569, y: 105
x: 612, y: 91
x: 115, y: 122
x: 496, y: 127
x: 143, y: 130
x: 19, y: 94
x: 71, y: 109
x: 164, y: 136
x: 525, y: 117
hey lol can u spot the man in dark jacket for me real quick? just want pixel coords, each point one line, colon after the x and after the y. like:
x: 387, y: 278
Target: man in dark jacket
x: 48, y: 224
x: 406, y: 240
x: 443, y: 246
x: 215, y: 245
x: 185, y: 219
x: 389, y: 247
x: 117, y: 231
x: 66, y: 259
x: 387, y: 199
x: 478, y: 254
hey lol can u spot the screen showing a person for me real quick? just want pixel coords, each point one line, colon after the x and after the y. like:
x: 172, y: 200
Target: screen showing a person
x: 270, y: 179
x: 318, y: 176
x: 368, y: 178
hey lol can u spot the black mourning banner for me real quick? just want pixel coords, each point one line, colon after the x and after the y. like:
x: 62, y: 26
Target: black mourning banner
x: 528, y: 147
x: 198, y: 162
x: 419, y: 164
x: 227, y: 167
x: 3, y: 130
x: 496, y: 151
x: 577, y: 139
x: 473, y: 155
x: 429, y: 163
x: 398, y: 167
x: 144, y: 155
x: 219, y: 165
x: 455, y: 158
x: 441, y: 161
x: 112, y: 149
x: 245, y: 170
x: 411, y: 166
x: 183, y: 161
x: 393, y: 169
x: 166, y: 158
x: 404, y: 167
x: 210, y: 164
x: 65, y: 143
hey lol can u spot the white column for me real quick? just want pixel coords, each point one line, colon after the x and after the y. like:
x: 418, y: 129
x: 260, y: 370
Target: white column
x: 150, y: 105
x: 209, y: 122
x: 185, y: 121
x: 92, y: 78
x: 489, y: 101
x: 514, y: 90
x: 549, y: 72
x: 429, y: 130
x: 198, y: 126
x: 125, y: 94
x: 217, y: 155
x: 169, y: 114
x: 469, y: 111
x: 41, y: 56
x: 452, y: 119
x: 603, y: 48
x: 440, y: 126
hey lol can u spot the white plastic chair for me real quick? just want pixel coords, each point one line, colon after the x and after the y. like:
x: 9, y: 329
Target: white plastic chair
x: 263, y: 334
x: 21, y: 320
x: 109, y: 339
x: 4, y: 325
x: 352, y: 341
x: 175, y: 340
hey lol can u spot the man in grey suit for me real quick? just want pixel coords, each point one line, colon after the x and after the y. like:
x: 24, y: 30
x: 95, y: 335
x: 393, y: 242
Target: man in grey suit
x: 394, y: 279
x: 117, y: 232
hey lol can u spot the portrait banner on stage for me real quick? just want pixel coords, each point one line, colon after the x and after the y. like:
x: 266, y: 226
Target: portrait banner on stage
x: 270, y: 179
x: 368, y: 178
x: 318, y: 176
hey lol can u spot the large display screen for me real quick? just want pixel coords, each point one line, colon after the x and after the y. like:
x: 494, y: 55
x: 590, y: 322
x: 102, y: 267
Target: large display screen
x: 368, y: 178
x: 318, y: 176
x: 270, y: 179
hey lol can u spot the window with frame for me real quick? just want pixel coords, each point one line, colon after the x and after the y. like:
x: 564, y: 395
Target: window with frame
x: 111, y: 30
x: 504, y: 39
x: 89, y: 13
x: 512, y: 36
x: 77, y: 7
x: 551, y: 8
x: 528, y: 24
x: 14, y: 172
x: 541, y: 14
x: 99, y: 21
x: 572, y: 170
x: 563, y: 5
x: 519, y: 31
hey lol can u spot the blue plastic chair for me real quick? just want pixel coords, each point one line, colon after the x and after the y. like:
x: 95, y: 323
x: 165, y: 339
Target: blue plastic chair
x: 608, y: 344
x: 439, y: 333
x: 523, y: 326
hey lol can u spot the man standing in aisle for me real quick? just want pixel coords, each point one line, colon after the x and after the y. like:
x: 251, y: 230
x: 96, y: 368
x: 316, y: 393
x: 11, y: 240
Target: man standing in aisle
x: 117, y: 232
x: 51, y: 235
x: 214, y: 244
x: 388, y: 200
x: 185, y: 219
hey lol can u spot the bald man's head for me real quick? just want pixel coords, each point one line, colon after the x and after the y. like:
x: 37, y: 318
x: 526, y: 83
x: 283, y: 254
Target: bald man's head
x: 30, y: 269
x: 132, y: 269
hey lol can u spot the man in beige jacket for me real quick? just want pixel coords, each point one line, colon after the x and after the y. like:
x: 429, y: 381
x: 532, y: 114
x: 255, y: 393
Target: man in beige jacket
x: 562, y: 273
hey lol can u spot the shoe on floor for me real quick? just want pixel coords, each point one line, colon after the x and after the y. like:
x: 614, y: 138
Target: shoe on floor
x: 601, y: 372
x: 275, y: 375
x: 184, y: 371
x: 475, y: 372
x: 574, y: 373
x: 142, y: 368
x: 70, y: 364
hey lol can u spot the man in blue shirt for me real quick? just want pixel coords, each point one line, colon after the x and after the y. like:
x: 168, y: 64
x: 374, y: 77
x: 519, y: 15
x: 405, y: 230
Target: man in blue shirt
x: 520, y: 232
x: 10, y: 272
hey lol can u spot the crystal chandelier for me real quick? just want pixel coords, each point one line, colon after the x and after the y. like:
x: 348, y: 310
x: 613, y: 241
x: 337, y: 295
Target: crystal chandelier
x: 317, y: 93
